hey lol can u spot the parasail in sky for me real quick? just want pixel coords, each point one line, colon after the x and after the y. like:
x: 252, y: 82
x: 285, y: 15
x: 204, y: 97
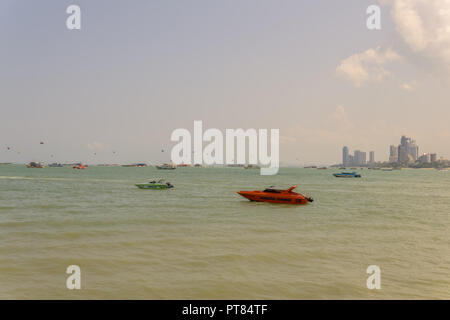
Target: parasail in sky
x: 42, y: 142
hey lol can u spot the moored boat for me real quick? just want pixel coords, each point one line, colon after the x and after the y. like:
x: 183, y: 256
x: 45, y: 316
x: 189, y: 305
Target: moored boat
x: 252, y: 166
x: 156, y: 184
x: 347, y: 175
x: 277, y: 196
x: 166, y: 166
x: 35, y: 165
x: 55, y: 165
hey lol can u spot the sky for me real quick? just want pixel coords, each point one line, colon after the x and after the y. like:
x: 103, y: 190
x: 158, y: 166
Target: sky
x: 114, y: 91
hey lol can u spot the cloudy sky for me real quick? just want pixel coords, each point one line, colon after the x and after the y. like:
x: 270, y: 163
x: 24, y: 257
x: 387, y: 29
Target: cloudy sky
x: 116, y: 89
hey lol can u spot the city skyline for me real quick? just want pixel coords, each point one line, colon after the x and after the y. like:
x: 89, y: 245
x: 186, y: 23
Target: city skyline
x: 116, y: 89
x: 407, y: 152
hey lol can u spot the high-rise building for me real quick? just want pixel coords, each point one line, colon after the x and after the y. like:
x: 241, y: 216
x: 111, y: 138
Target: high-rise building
x: 393, y: 154
x: 408, y: 151
x: 433, y: 157
x: 402, y: 154
x: 345, y: 156
x: 372, y: 157
x: 351, y: 160
x: 425, y: 158
x: 360, y: 158
x: 413, y: 149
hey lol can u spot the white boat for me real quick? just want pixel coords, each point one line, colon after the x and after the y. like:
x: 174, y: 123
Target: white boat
x: 166, y: 166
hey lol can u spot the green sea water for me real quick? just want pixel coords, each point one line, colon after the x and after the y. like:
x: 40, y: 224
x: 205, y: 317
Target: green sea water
x: 201, y: 240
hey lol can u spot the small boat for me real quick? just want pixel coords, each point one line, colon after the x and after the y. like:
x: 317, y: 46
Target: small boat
x: 138, y: 165
x: 35, y: 165
x: 252, y: 166
x: 183, y: 165
x: 79, y: 166
x: 277, y: 196
x: 157, y: 184
x: 166, y: 166
x: 347, y: 175
x: 55, y: 165
x: 322, y: 168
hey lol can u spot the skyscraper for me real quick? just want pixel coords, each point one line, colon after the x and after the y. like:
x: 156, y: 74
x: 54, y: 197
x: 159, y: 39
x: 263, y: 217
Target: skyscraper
x: 359, y: 158
x: 433, y: 157
x: 345, y: 158
x: 408, y: 151
x: 393, y: 154
x: 372, y: 157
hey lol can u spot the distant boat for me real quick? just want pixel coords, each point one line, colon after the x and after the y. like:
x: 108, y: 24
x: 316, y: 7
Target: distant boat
x: 322, y: 168
x: 139, y: 165
x: 252, y: 166
x: 79, y: 166
x: 166, y: 166
x: 347, y: 175
x: 387, y: 169
x: 182, y: 165
x: 55, y: 165
x: 35, y: 165
x: 310, y: 167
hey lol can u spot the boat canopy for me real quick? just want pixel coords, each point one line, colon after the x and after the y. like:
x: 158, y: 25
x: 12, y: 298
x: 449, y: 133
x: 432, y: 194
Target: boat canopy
x: 157, y: 180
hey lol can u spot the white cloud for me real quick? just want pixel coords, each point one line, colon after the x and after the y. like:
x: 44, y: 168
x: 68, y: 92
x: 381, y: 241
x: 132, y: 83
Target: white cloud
x: 367, y: 67
x: 407, y: 86
x: 424, y: 25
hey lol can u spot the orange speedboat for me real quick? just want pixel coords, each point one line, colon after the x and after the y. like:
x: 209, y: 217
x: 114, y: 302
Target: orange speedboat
x: 277, y: 196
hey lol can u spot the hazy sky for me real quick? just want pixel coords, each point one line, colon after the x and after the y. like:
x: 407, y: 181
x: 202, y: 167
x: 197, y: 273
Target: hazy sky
x: 137, y: 70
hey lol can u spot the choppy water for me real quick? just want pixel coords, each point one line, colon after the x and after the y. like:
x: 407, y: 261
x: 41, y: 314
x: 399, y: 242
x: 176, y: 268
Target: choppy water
x: 203, y: 241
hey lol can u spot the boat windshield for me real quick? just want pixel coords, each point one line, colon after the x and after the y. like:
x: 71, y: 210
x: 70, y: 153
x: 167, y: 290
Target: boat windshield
x: 157, y: 181
x: 272, y: 190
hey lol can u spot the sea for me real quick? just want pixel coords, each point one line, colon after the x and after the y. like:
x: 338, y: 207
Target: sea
x: 201, y: 240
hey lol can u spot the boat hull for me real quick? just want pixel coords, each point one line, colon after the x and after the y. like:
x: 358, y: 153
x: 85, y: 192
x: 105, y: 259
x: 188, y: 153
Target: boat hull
x: 285, y: 198
x: 341, y: 175
x: 153, y: 186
